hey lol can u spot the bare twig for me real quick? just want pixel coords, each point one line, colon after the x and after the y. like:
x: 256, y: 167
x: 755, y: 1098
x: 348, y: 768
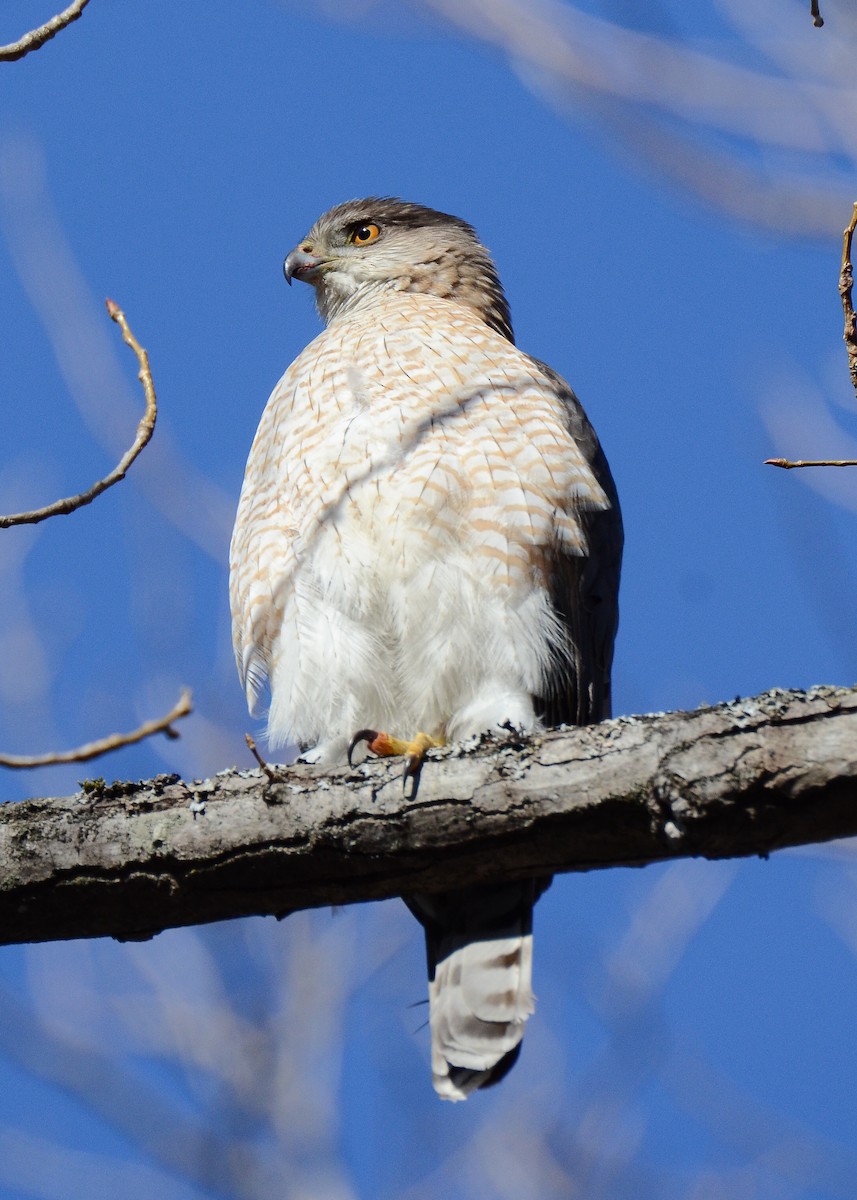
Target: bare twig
x: 846, y: 282
x: 817, y: 18
x: 254, y: 750
x: 789, y: 463
x: 37, y: 37
x: 144, y: 433
x: 113, y: 741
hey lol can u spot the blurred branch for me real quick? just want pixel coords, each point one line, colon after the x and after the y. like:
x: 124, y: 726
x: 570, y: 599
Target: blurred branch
x: 36, y: 38
x: 751, y: 121
x: 114, y: 741
x: 739, y: 779
x: 129, y: 1102
x: 145, y: 429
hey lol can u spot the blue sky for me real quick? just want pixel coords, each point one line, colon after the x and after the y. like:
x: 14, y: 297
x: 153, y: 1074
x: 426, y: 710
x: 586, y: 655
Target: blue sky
x: 169, y: 156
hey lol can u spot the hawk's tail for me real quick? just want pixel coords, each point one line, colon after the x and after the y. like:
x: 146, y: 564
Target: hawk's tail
x: 480, y: 952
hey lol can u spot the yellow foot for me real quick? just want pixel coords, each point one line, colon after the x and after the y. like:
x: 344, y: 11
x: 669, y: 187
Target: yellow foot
x: 385, y: 746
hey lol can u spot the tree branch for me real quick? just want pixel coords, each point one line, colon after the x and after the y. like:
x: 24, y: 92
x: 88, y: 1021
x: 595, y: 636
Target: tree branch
x: 789, y: 464
x: 113, y: 741
x: 131, y: 859
x: 145, y: 429
x: 36, y: 38
x: 846, y: 283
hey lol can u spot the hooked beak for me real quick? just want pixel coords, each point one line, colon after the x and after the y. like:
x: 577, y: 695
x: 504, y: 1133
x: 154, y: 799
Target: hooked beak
x: 303, y: 264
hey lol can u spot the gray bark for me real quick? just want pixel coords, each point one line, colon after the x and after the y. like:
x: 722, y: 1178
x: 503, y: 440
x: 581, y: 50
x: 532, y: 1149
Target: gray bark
x: 130, y: 859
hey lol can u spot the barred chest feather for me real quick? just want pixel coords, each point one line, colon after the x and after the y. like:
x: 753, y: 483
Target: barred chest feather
x: 411, y: 478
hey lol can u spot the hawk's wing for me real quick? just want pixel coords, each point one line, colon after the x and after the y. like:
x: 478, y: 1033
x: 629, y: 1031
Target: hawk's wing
x: 585, y: 589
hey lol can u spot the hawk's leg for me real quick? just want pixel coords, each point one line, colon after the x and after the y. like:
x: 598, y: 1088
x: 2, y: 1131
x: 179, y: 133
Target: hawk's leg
x: 385, y: 746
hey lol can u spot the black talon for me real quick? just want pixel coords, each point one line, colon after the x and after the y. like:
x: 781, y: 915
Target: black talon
x: 362, y: 735
x: 413, y: 767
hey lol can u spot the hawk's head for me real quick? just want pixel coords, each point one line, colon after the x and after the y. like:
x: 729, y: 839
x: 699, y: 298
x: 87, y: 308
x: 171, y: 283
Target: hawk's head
x: 363, y: 247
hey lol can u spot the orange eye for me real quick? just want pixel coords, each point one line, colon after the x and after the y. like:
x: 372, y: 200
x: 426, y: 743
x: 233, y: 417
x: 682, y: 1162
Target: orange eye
x: 362, y: 235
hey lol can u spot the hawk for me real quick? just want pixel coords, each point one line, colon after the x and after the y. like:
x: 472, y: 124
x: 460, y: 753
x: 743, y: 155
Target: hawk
x: 428, y: 542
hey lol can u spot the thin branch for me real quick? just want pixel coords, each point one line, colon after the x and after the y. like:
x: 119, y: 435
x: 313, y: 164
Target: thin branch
x: 814, y: 12
x: 846, y: 282
x: 113, y: 741
x: 128, y: 860
x: 789, y: 464
x: 36, y: 38
x: 144, y: 433
x: 254, y: 750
